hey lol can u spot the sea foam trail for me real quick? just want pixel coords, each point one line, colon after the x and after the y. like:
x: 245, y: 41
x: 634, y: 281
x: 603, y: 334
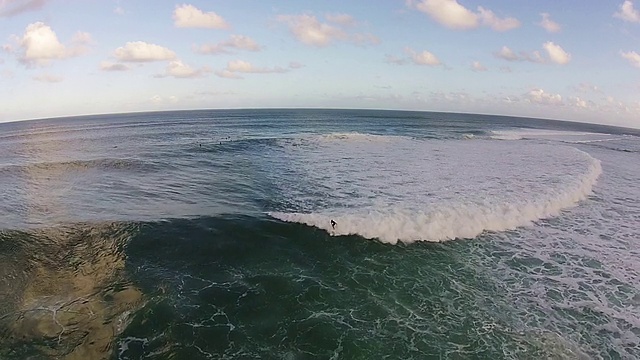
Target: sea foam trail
x: 454, y: 190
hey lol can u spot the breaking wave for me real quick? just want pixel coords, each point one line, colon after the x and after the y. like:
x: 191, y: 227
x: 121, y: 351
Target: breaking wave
x: 411, y: 190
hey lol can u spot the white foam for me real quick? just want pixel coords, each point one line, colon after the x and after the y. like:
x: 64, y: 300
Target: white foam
x: 352, y: 136
x: 411, y: 190
x: 541, y: 134
x: 445, y: 222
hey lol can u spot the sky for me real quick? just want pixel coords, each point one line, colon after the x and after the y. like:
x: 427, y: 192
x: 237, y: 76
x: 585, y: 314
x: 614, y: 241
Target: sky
x: 568, y: 60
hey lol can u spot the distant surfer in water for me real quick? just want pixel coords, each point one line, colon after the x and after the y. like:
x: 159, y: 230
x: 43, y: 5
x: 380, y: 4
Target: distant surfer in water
x: 333, y: 224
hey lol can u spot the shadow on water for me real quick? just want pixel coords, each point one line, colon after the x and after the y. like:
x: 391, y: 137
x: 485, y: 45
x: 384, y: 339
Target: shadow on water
x: 64, y: 294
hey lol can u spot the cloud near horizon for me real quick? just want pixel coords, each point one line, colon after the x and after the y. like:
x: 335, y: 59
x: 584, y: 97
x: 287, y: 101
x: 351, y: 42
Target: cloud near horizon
x: 236, y: 67
x: 451, y: 14
x: 539, y: 96
x: 48, y: 78
x: 189, y: 16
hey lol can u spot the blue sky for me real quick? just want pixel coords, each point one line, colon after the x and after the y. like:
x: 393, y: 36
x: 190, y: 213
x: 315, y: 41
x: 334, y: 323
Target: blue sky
x: 566, y: 60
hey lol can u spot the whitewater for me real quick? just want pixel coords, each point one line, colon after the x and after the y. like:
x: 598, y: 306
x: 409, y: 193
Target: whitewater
x: 395, y: 188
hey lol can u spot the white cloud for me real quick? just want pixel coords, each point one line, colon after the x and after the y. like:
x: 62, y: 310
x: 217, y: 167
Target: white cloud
x: 238, y: 42
x: 159, y: 100
x: 228, y: 74
x: 140, y: 51
x: 246, y: 67
x: 188, y: 16
x: 14, y: 7
x: 119, y: 10
x: 507, y: 54
x: 538, y: 96
x: 448, y: 13
x: 477, y: 66
x: 109, y: 66
x: 556, y: 53
x: 633, y: 58
x: 39, y: 44
x: 309, y: 30
x: 178, y: 69
x: 548, y: 24
x: 491, y: 20
x: 451, y: 14
x: 423, y: 58
x: 46, y: 78
x: 628, y: 12
x: 579, y: 102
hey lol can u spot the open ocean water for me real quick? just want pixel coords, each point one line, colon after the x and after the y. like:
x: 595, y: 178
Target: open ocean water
x: 206, y: 235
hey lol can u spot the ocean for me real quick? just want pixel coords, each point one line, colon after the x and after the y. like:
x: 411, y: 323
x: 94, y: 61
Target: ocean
x: 207, y: 235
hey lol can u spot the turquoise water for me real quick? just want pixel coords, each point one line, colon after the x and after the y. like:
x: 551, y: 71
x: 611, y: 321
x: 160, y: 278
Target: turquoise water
x: 206, y: 234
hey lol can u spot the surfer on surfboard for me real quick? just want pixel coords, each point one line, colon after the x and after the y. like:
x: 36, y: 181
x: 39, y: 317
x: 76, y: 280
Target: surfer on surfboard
x: 333, y: 224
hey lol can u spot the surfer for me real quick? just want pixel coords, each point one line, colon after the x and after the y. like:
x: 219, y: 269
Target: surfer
x: 333, y: 224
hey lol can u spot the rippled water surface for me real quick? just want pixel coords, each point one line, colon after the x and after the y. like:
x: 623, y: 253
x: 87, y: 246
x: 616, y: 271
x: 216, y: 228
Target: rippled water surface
x: 207, y: 234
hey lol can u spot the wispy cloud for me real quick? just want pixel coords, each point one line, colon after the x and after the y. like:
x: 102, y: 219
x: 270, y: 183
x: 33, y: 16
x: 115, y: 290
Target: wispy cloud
x: 548, y: 24
x: 341, y: 19
x: 311, y: 31
x: 236, y: 67
x: 109, y: 66
x: 632, y: 57
x: 235, y: 42
x: 423, y: 57
x: 47, y: 78
x: 180, y: 70
x: 10, y: 8
x: 556, y: 54
x: 489, y: 19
